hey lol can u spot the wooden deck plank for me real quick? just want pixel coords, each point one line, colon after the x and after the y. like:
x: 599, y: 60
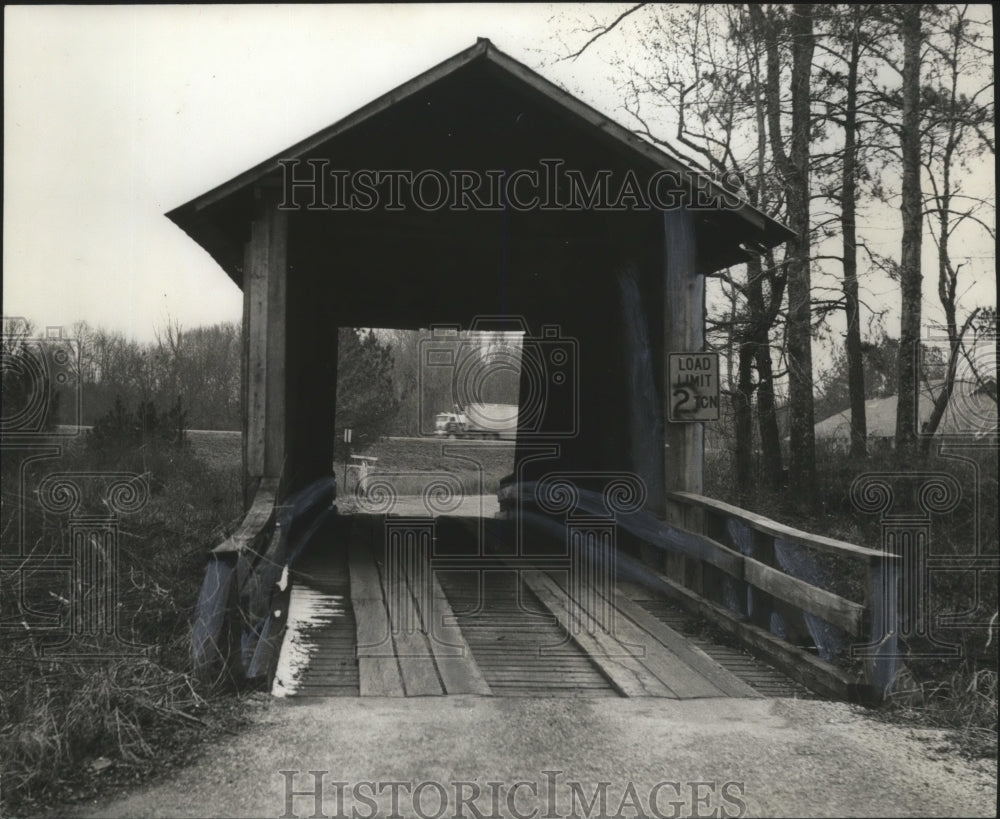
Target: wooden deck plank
x: 378, y: 670
x: 455, y: 663
x: 365, y: 583
x: 680, y: 647
x: 416, y: 660
x: 660, y: 658
x: 628, y: 676
x: 503, y: 644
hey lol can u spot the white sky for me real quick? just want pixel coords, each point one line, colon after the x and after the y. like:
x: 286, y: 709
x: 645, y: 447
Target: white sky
x: 115, y: 115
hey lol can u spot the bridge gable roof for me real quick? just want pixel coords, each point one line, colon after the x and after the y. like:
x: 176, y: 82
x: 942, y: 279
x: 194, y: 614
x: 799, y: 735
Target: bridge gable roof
x: 217, y: 219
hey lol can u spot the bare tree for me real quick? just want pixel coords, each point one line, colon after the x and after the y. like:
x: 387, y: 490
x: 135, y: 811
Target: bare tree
x: 958, y: 127
x: 911, y: 210
x: 793, y: 168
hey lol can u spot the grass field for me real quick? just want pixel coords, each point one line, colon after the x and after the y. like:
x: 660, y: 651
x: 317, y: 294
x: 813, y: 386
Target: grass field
x: 413, y: 460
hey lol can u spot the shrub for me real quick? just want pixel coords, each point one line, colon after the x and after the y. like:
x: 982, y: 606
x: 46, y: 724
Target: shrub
x: 121, y: 428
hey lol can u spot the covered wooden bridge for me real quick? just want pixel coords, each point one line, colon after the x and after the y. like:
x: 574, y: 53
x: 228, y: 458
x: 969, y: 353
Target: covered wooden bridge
x: 478, y: 194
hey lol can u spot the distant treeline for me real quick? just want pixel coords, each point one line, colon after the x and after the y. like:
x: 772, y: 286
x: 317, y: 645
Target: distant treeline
x: 390, y: 382
x: 201, y: 366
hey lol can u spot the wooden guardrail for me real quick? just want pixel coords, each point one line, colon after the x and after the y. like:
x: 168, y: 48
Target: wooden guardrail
x: 773, y: 587
x: 775, y: 595
x: 241, y: 610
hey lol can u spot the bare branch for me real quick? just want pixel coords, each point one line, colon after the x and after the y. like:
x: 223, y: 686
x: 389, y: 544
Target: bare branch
x: 605, y: 30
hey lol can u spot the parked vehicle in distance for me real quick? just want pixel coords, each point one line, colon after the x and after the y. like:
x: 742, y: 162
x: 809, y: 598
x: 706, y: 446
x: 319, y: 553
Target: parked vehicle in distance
x: 483, y: 421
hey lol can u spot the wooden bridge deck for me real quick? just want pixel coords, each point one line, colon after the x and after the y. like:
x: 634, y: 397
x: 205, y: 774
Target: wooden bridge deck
x: 485, y: 624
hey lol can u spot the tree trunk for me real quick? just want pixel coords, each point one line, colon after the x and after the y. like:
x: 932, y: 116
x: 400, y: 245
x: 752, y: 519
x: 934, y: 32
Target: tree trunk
x: 793, y: 167
x: 743, y: 422
x: 855, y: 364
x: 762, y: 317
x: 802, y: 455
x: 911, y: 208
x: 767, y: 419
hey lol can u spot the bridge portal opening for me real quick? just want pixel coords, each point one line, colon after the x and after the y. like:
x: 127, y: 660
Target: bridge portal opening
x: 407, y: 398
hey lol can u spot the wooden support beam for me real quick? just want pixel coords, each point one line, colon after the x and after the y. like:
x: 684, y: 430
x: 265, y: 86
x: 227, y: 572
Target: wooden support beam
x: 683, y: 331
x: 255, y: 332
x: 641, y: 335
x: 277, y: 263
x: 248, y: 483
x: 264, y: 282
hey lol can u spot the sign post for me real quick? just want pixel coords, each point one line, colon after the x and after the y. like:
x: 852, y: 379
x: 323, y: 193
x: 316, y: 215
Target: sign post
x: 694, y: 387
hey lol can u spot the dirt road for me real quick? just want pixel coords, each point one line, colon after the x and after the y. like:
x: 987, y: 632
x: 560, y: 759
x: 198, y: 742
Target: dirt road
x: 557, y: 758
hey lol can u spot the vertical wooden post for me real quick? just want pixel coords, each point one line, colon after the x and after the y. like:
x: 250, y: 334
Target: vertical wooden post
x: 683, y: 331
x: 277, y: 264
x: 761, y: 604
x: 264, y: 274
x: 248, y: 489
x: 882, y: 652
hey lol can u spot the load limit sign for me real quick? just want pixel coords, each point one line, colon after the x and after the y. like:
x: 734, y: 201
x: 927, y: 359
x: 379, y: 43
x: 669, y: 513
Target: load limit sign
x: 694, y: 387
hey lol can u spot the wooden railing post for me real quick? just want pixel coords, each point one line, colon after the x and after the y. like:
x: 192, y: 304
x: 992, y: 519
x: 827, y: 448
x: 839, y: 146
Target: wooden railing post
x: 215, y: 638
x: 760, y: 606
x: 881, y: 653
x: 715, y: 583
x: 673, y: 563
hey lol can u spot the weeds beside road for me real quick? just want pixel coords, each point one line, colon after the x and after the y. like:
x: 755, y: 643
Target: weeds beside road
x: 72, y: 726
